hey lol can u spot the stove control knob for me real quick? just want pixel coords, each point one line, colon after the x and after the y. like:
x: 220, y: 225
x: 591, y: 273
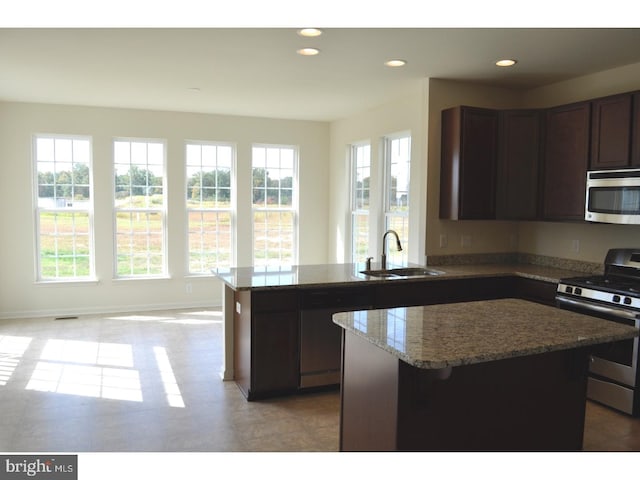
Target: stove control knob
x: 569, y: 289
x: 627, y: 301
x: 577, y: 291
x: 616, y: 298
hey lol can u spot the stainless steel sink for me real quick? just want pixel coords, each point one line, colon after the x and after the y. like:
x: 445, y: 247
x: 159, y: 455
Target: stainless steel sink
x: 402, y: 272
x: 378, y: 273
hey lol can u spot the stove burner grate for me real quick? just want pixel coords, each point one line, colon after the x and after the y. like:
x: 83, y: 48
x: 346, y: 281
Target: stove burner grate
x: 611, y: 284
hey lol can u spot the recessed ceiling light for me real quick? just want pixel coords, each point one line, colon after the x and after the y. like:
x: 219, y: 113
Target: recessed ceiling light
x: 395, y: 63
x: 308, y: 51
x: 507, y: 62
x: 310, y: 32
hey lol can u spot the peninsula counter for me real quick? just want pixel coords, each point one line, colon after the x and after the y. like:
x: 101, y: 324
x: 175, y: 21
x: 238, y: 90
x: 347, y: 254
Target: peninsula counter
x: 267, y: 310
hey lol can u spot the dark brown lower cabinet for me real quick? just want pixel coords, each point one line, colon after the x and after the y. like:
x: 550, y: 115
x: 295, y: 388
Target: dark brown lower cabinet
x: 527, y: 403
x: 275, y: 356
x: 535, y: 290
x: 266, y: 340
x: 451, y: 290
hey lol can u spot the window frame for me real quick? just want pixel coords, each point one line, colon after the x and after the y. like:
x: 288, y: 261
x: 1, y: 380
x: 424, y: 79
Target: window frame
x: 294, y: 209
x: 354, y: 150
x: 147, y: 210
x: 37, y: 210
x: 231, y: 209
x: 387, y: 213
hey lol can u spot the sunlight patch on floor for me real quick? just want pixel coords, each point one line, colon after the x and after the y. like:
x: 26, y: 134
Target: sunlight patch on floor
x: 90, y: 369
x: 12, y: 349
x: 86, y: 380
x: 174, y: 397
x: 80, y: 351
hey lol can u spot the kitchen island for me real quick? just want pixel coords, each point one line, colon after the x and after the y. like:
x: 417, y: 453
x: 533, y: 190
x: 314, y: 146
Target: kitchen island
x: 499, y: 375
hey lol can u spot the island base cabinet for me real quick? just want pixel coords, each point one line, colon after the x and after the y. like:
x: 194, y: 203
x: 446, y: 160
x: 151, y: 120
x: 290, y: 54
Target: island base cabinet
x: 529, y: 403
x: 266, y: 343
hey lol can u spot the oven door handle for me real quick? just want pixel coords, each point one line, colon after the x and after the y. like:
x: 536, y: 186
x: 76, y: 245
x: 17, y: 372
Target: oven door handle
x: 618, y: 312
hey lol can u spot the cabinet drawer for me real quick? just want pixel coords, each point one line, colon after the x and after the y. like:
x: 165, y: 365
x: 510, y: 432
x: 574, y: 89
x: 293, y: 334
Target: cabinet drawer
x: 274, y: 300
x: 351, y: 298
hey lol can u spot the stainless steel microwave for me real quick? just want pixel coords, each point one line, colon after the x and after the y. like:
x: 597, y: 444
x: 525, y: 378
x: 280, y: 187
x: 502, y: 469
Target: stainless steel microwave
x: 613, y: 196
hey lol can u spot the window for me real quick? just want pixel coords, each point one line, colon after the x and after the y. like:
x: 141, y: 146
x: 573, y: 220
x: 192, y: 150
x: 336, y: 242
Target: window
x: 64, y: 207
x: 360, y: 188
x: 274, y: 205
x: 139, y: 207
x: 209, y: 206
x: 397, y: 160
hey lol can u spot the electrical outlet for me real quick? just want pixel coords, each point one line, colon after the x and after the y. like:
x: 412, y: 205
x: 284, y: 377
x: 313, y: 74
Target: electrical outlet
x: 465, y: 241
x: 443, y: 240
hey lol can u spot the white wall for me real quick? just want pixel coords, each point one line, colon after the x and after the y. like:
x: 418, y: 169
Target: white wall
x: 405, y: 114
x: 21, y: 296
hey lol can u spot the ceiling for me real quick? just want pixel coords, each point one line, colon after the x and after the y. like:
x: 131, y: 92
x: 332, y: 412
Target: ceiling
x: 256, y: 71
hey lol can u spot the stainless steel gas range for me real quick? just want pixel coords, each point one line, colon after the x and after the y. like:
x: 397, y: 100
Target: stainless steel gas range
x: 615, y: 296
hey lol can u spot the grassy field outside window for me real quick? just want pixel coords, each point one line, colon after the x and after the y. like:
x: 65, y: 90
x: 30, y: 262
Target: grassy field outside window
x: 140, y: 227
x: 64, y: 232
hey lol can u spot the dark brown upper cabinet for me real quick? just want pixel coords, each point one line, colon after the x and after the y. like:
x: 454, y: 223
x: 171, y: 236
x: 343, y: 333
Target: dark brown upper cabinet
x: 520, y: 144
x: 635, y: 131
x: 566, y: 159
x: 468, y: 167
x: 611, y: 131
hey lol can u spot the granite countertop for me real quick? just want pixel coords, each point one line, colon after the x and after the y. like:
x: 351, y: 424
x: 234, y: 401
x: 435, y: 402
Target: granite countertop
x: 256, y: 278
x: 450, y: 335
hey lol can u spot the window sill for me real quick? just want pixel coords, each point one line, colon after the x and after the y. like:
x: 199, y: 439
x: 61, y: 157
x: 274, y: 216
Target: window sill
x: 191, y: 276
x: 126, y: 280
x: 68, y: 283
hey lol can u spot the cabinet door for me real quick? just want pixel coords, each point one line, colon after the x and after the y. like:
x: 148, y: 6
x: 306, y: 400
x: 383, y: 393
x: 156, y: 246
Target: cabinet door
x: 535, y: 290
x: 266, y: 342
x: 566, y: 159
x: 635, y: 131
x: 468, y: 165
x: 611, y: 132
x: 274, y: 363
x: 518, y: 164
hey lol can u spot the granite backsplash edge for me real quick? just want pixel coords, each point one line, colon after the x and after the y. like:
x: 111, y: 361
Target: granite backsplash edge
x: 516, y: 258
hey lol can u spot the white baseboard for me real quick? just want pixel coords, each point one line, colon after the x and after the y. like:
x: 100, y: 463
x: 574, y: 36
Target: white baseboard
x: 66, y: 312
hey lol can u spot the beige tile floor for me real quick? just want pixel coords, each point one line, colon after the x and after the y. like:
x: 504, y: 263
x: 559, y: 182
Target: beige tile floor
x: 142, y: 382
x: 150, y: 381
